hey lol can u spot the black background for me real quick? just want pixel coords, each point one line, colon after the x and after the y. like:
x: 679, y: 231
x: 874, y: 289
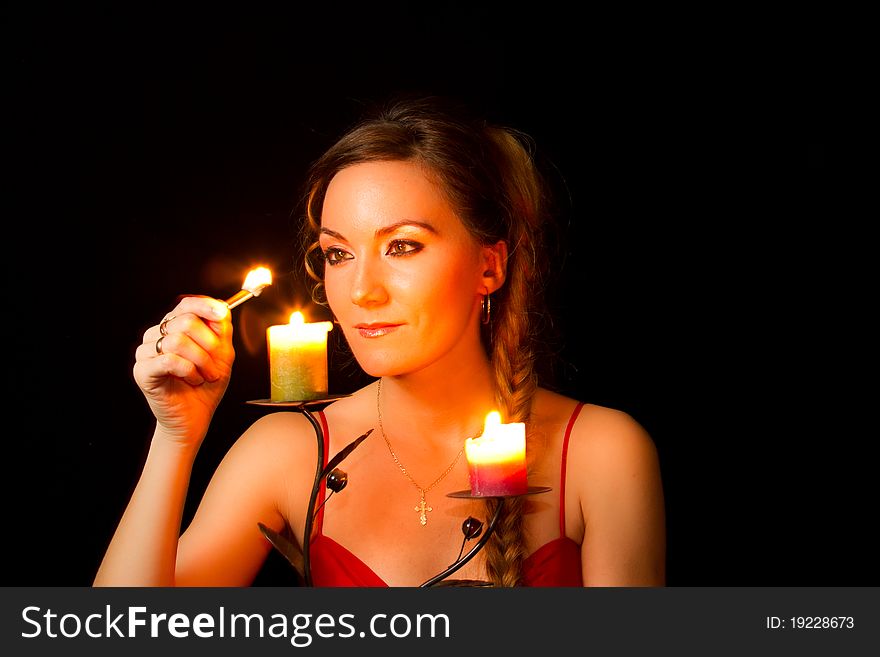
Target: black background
x: 709, y: 285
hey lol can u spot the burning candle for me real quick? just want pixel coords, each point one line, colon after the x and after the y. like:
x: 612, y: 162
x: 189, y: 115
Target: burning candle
x: 497, y: 459
x: 298, y: 359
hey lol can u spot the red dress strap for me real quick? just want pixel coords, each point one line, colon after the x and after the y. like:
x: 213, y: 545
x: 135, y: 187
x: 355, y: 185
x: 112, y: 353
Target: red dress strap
x: 318, y: 527
x: 571, y: 421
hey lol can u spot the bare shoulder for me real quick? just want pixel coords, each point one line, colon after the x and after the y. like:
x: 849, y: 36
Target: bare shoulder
x: 271, y: 463
x: 276, y: 442
x: 601, y: 437
x: 614, y: 474
x: 603, y: 432
x: 266, y: 467
x: 280, y: 429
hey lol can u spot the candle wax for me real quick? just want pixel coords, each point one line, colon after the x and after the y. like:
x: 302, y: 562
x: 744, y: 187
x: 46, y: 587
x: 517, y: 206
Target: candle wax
x: 298, y: 360
x: 498, y: 479
x: 497, y: 459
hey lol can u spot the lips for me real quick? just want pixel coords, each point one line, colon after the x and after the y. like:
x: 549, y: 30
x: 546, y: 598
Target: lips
x: 376, y: 330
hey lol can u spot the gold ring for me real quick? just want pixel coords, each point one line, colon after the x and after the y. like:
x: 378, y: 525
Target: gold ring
x: 163, y: 330
x: 159, y: 345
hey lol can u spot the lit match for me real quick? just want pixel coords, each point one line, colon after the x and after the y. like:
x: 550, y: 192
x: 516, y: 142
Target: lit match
x: 254, y: 283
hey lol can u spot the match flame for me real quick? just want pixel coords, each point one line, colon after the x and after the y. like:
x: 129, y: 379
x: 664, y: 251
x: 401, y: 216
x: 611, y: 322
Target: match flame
x: 254, y: 283
x: 256, y: 280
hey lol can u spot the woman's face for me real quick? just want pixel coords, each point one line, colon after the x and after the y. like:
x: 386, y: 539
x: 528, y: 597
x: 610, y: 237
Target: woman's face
x: 403, y: 276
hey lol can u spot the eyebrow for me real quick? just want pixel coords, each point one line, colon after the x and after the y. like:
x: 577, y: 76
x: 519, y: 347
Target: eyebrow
x: 385, y: 230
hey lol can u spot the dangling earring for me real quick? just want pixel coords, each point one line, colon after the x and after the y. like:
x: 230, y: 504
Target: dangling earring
x: 486, y: 308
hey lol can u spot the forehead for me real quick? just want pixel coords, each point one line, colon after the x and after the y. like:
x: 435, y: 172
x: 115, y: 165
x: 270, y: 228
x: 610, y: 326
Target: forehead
x: 384, y: 192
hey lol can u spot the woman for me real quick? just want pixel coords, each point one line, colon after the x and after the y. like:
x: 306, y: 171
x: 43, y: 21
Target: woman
x: 425, y: 233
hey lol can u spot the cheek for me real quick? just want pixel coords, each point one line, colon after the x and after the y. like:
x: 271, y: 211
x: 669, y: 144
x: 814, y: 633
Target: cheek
x: 337, y: 294
x: 426, y: 286
x: 446, y: 296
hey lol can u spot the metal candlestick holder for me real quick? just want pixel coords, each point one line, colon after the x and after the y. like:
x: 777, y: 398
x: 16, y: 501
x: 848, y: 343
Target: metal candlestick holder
x: 461, y: 561
x: 281, y: 543
x: 299, y: 557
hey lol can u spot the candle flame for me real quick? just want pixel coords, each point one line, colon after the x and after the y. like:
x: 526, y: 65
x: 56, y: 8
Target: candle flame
x: 256, y: 280
x: 493, y: 419
x: 296, y: 318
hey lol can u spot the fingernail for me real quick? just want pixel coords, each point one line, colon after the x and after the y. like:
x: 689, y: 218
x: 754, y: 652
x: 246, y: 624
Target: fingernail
x: 219, y: 311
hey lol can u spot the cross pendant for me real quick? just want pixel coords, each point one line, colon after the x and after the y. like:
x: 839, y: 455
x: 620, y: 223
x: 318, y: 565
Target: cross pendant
x: 423, y: 508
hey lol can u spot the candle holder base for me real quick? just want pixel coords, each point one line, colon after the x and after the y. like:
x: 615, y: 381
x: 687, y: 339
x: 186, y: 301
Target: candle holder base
x: 466, y: 494
x: 302, y: 403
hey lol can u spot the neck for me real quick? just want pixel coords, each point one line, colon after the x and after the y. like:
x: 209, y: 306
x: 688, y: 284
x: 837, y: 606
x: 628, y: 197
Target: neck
x: 438, y: 409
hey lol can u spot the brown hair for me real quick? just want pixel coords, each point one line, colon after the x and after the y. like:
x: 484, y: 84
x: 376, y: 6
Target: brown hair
x: 490, y: 178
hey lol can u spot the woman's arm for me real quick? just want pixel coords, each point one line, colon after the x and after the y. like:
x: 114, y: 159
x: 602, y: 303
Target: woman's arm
x: 223, y: 545
x: 266, y: 477
x: 144, y: 547
x: 182, y: 367
x: 621, y: 498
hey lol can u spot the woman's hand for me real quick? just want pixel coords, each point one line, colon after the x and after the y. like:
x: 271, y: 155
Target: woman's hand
x: 184, y: 365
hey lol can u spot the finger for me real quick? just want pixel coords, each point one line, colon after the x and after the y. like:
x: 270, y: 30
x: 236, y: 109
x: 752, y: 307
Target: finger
x: 197, y: 345
x: 203, y: 330
x: 153, y: 372
x: 163, y: 325
x: 208, y: 353
x: 212, y: 311
x: 209, y: 309
x: 192, y: 316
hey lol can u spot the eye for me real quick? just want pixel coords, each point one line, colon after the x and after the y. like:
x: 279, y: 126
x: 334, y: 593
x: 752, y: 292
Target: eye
x: 334, y: 256
x: 403, y: 247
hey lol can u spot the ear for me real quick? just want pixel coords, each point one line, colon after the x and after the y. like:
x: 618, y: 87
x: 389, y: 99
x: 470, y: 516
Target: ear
x: 494, y: 267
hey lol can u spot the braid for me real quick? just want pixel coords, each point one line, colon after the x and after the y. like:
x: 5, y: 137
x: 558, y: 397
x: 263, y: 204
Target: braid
x: 506, y: 548
x: 515, y: 383
x: 512, y: 353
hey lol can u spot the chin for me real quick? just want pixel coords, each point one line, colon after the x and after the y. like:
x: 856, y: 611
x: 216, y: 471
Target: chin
x: 379, y: 363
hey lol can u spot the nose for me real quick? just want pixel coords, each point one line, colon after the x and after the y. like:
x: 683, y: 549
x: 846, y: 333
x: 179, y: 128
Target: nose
x: 368, y: 286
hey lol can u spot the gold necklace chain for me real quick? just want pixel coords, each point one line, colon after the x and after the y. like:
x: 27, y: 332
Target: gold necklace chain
x: 422, y: 507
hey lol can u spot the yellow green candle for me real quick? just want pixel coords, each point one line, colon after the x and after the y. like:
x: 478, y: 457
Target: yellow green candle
x: 298, y: 359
